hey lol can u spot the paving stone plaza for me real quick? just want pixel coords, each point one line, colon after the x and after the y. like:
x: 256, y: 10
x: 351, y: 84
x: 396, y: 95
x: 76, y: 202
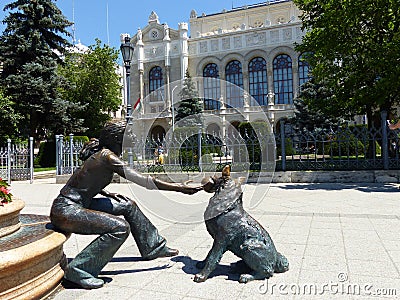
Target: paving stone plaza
x: 341, y: 240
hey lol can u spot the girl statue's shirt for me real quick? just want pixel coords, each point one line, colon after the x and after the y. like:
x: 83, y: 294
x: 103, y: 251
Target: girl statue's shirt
x: 96, y: 173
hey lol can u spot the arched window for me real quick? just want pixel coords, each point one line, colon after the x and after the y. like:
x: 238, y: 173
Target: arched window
x: 234, y: 91
x: 258, y: 82
x: 304, y: 69
x: 212, y: 91
x: 283, y: 79
x: 155, y: 82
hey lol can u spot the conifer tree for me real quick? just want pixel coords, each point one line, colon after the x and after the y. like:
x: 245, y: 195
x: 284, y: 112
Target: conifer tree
x: 307, y: 116
x: 190, y: 104
x: 30, y: 48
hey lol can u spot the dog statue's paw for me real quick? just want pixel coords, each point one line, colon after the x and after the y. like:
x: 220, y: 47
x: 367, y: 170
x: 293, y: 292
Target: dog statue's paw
x: 200, y: 278
x: 245, y: 278
x: 201, y: 264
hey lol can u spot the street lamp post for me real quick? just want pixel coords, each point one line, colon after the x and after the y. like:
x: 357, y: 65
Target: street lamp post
x: 127, y: 54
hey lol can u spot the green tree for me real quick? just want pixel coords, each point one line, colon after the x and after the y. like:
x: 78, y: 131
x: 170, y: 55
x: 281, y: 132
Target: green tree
x: 8, y: 119
x: 190, y: 104
x: 93, y: 84
x: 308, y: 115
x: 356, y: 52
x: 29, y: 51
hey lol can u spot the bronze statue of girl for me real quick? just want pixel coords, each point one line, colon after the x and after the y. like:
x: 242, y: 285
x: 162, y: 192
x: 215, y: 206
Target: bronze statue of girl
x: 77, y: 210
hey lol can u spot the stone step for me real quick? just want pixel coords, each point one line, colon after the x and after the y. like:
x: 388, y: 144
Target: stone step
x: 32, y: 259
x: 44, y: 174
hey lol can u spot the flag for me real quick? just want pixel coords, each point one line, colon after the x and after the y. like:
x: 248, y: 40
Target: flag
x: 138, y: 105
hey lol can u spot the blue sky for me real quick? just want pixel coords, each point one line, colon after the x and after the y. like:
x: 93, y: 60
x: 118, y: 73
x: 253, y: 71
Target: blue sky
x: 125, y: 16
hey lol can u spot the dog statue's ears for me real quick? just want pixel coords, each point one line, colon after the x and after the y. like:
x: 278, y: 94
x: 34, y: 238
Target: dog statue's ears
x: 226, y: 171
x: 208, y: 184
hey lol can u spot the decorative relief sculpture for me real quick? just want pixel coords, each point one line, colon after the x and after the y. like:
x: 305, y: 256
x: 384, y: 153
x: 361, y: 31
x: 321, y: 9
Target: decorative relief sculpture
x: 203, y: 47
x: 255, y: 39
x: 214, y: 45
x: 154, y: 51
x: 175, y: 48
x: 233, y: 229
x: 192, y: 48
x: 287, y: 34
x: 274, y: 36
x: 226, y: 43
x: 237, y: 41
x: 299, y: 33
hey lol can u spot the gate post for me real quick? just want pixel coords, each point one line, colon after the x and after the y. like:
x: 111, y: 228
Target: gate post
x: 31, y: 159
x: 57, y: 158
x: 283, y: 150
x: 9, y: 161
x: 385, y: 145
x: 59, y: 154
x: 199, y: 148
x: 71, y: 151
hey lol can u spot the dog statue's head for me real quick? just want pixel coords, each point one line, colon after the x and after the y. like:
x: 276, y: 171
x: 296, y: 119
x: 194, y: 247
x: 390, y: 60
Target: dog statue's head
x: 227, y: 193
x: 211, y: 184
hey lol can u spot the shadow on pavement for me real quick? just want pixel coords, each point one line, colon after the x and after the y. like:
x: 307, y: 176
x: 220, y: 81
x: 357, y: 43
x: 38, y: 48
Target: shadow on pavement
x: 68, y: 285
x: 116, y: 272
x: 232, y: 271
x: 362, y: 187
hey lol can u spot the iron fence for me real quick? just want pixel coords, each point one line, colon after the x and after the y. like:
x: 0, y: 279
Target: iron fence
x: 189, y: 151
x: 67, y: 151
x: 16, y: 161
x: 340, y: 147
x: 198, y: 151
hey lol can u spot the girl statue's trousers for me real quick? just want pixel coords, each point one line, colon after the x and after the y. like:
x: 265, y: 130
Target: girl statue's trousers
x: 101, y: 218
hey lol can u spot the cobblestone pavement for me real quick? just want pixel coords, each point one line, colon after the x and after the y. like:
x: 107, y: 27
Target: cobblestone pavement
x: 341, y: 240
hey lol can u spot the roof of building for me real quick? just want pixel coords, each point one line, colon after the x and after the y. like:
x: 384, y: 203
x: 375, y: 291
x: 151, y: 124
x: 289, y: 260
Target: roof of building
x: 234, y: 9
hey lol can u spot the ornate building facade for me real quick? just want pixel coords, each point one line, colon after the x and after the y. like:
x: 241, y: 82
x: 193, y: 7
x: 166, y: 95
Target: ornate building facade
x: 250, y: 46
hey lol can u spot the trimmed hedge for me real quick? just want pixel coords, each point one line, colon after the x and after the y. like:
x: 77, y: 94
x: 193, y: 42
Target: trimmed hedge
x: 47, y: 151
x: 47, y: 155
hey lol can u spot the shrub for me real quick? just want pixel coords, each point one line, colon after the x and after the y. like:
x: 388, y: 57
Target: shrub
x: 47, y: 155
x: 289, y: 150
x: 345, y: 146
x: 78, y: 138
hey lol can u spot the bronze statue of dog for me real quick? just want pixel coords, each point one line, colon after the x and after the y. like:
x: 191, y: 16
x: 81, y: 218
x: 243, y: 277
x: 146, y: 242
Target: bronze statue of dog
x: 233, y: 229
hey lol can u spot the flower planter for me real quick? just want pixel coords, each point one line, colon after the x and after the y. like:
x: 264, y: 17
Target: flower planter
x: 9, y: 216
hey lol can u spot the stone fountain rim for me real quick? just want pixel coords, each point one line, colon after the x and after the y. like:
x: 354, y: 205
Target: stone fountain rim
x: 11, y: 207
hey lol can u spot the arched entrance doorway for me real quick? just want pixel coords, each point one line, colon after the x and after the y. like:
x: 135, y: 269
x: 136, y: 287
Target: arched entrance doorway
x: 233, y: 128
x: 213, y: 128
x: 157, y: 133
